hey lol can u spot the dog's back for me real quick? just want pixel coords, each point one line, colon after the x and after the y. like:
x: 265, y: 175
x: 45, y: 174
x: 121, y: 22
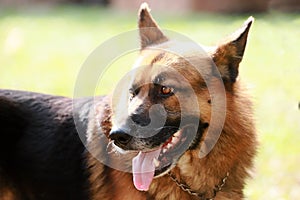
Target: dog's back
x: 41, y: 154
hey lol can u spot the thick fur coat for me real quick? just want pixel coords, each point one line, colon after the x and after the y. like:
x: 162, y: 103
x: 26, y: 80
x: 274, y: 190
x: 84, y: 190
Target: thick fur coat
x: 42, y: 157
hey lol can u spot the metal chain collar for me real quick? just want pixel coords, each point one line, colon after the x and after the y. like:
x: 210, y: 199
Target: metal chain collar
x: 200, y: 195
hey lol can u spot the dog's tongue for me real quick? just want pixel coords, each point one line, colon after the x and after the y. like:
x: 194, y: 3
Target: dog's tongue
x: 143, y: 169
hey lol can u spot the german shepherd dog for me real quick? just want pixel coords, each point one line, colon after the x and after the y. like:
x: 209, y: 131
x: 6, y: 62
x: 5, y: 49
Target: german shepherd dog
x: 147, y: 141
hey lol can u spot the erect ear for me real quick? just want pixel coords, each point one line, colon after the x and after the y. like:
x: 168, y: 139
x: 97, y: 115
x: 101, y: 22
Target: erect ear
x: 150, y: 32
x: 229, y: 54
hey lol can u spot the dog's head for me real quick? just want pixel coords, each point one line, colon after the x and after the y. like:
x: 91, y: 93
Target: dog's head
x: 165, y: 108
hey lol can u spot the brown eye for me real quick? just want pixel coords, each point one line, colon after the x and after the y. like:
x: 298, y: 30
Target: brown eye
x: 166, y: 90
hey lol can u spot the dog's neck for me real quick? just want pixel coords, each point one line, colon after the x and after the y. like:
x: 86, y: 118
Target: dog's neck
x: 201, y: 195
x: 172, y: 188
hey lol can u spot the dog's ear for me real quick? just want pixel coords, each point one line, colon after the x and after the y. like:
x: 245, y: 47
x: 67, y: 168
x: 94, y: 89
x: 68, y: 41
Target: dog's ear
x: 229, y: 53
x: 150, y: 33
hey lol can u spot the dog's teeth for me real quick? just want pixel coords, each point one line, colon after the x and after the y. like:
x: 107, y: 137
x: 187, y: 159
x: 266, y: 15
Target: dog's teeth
x: 156, y: 162
x: 169, y: 145
x: 164, y: 150
x: 177, y: 134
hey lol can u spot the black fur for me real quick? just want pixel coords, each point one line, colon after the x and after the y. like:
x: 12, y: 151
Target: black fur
x: 41, y: 154
x: 199, y: 135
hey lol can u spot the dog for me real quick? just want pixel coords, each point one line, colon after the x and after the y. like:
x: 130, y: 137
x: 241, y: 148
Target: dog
x: 153, y: 138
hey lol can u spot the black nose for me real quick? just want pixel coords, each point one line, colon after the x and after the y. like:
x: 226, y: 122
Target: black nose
x: 120, y: 137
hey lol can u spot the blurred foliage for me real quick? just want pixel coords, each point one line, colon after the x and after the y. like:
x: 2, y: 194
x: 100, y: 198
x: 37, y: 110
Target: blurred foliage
x: 43, y: 50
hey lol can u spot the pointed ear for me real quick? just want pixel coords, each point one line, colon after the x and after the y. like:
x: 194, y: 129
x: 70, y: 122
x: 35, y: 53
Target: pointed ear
x: 229, y: 54
x: 150, y: 32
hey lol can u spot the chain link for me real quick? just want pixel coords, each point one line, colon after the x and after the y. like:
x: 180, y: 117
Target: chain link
x: 200, y: 195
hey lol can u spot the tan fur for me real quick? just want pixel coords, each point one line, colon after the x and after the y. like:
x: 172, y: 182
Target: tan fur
x: 233, y: 152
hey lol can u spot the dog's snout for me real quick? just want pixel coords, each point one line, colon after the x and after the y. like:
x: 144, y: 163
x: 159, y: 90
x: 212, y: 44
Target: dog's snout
x: 120, y: 137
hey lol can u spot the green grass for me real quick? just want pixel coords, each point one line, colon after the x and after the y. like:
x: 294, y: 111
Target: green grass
x: 43, y: 50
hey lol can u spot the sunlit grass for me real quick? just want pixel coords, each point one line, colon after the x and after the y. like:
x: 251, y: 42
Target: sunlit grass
x: 43, y: 50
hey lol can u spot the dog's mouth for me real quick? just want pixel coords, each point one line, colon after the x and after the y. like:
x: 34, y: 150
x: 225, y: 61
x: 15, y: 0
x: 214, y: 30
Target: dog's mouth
x: 170, y: 152
x: 157, y: 162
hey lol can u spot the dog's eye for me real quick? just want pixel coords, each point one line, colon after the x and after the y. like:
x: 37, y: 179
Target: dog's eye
x: 166, y: 90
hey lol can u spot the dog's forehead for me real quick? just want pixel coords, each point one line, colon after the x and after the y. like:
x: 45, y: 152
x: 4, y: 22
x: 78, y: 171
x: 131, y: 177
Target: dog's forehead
x: 183, y: 57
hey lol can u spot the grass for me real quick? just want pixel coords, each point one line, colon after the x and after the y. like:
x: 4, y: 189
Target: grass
x: 43, y: 50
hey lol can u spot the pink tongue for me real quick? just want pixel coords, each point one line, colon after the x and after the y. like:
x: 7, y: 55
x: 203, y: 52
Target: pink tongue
x: 143, y: 169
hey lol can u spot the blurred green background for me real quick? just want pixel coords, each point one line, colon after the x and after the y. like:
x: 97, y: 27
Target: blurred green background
x: 43, y: 49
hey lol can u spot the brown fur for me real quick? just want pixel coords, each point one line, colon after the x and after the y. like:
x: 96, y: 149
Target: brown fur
x: 233, y: 152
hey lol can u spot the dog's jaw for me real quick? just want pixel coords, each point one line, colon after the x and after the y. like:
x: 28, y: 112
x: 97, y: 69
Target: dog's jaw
x: 158, y: 162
